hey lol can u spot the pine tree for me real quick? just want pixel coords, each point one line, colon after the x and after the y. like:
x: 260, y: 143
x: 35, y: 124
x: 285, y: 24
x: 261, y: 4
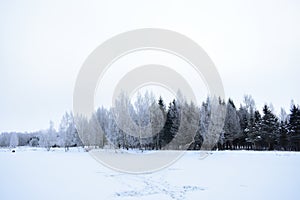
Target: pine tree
x: 171, y: 125
x: 244, y: 117
x: 255, y: 135
x: 283, y: 135
x: 294, y: 127
x: 204, y: 120
x: 269, y: 127
x: 158, y: 136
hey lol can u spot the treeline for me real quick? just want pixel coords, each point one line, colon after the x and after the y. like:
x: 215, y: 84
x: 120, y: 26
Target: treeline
x: 152, y: 124
x: 66, y: 136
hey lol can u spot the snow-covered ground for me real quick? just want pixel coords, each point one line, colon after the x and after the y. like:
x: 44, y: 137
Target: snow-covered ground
x: 38, y: 174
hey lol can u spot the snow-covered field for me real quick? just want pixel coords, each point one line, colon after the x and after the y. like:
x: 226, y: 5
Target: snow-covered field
x: 38, y: 174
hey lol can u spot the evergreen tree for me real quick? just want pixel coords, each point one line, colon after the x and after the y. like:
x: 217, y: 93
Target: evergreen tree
x: 283, y: 139
x: 171, y: 125
x: 294, y: 127
x: 160, y: 133
x: 204, y: 120
x: 241, y: 140
x: 255, y: 135
x: 269, y: 127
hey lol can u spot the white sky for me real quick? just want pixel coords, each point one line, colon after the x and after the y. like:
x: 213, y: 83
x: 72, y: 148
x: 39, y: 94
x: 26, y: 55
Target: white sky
x: 254, y: 44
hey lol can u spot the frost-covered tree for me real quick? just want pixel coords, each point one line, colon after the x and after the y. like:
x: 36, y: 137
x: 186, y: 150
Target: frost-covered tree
x: 68, y: 134
x: 64, y: 135
x: 146, y: 123
x: 14, y: 140
x: 34, y: 141
x: 249, y: 106
x: 123, y: 123
x: 48, y: 138
x: 213, y: 123
x: 143, y: 116
x: 83, y: 129
x: 96, y: 133
x: 112, y: 131
x: 103, y: 121
x: 189, y: 120
x: 4, y: 139
x: 283, y: 116
x: 232, y: 127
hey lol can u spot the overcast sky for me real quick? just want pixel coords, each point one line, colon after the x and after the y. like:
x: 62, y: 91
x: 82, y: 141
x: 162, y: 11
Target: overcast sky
x: 255, y: 46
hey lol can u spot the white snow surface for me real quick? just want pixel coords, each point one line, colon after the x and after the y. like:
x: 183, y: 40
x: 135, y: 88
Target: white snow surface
x: 38, y: 174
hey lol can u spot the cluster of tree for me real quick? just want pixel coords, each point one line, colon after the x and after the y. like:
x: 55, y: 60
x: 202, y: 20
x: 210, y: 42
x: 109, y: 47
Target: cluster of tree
x: 213, y: 125
x: 151, y: 124
x: 247, y: 128
x: 65, y: 137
